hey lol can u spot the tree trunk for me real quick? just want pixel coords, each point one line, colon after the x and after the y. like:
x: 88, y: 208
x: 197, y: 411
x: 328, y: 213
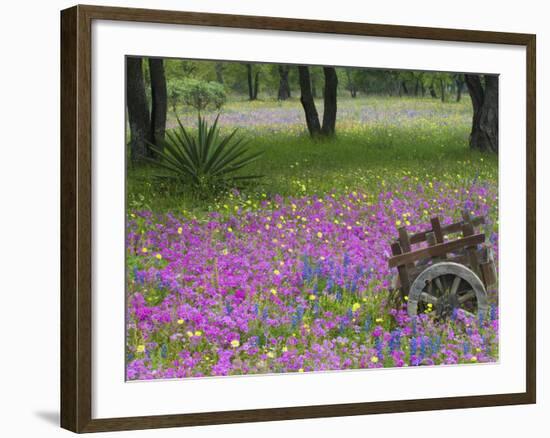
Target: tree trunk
x: 306, y: 98
x: 284, y: 87
x: 330, y: 107
x: 138, y: 110
x: 256, y: 84
x: 484, y: 135
x: 219, y: 72
x: 250, y: 81
x: 416, y: 87
x: 159, y: 101
x: 432, y: 90
x: 351, y: 85
x: 405, y: 89
x: 442, y: 88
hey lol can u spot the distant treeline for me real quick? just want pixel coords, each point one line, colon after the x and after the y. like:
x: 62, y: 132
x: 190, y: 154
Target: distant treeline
x: 154, y: 86
x: 254, y: 81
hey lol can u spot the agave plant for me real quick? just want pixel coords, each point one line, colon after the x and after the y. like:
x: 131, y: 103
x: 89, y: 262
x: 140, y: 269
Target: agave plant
x: 205, y: 159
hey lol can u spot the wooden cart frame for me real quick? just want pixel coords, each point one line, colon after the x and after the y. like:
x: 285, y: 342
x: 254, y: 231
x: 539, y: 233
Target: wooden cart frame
x: 444, y: 275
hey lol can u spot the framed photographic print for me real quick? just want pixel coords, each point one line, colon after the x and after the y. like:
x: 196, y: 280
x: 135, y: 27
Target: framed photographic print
x: 268, y: 218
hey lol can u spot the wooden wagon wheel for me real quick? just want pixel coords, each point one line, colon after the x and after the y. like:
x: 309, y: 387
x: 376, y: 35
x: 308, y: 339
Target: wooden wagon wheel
x: 448, y: 286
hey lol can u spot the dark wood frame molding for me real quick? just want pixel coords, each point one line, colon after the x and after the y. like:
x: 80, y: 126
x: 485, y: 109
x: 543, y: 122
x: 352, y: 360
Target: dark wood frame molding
x: 76, y: 218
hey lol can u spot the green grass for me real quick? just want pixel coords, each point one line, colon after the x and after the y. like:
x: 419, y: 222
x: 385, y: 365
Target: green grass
x: 365, y: 155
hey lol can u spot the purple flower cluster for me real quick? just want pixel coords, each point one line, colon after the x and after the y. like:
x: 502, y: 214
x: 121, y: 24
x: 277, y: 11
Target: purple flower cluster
x: 295, y: 285
x: 353, y: 114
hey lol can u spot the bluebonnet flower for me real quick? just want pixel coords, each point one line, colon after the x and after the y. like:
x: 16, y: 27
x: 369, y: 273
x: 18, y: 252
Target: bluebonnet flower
x: 368, y: 324
x: 494, y: 312
x: 341, y: 327
x: 422, y: 348
x: 454, y: 314
x: 435, y: 344
x: 413, y: 346
x: 330, y: 285
x: 379, y: 347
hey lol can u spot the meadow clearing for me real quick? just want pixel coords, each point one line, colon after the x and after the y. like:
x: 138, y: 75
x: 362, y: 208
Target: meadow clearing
x: 290, y: 273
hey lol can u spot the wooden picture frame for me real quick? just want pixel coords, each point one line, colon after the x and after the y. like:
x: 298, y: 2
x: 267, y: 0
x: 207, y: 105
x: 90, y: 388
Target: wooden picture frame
x: 76, y: 218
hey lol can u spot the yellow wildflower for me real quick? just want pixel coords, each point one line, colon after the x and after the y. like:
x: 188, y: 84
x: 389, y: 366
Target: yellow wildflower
x: 312, y: 297
x: 144, y: 250
x: 235, y: 343
x: 180, y: 230
x: 374, y: 359
x: 159, y: 256
x: 355, y: 307
x: 180, y: 321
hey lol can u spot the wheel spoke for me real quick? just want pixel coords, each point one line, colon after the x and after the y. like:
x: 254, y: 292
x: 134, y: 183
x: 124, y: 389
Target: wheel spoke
x: 430, y: 288
x: 454, y: 286
x: 440, y: 286
x: 426, y: 297
x: 467, y: 296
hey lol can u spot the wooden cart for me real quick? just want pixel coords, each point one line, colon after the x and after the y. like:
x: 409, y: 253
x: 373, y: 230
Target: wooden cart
x: 442, y: 275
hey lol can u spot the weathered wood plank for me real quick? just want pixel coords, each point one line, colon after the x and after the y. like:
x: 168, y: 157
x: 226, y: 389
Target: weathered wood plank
x: 446, y: 229
x: 436, y: 227
x: 436, y: 250
x: 473, y: 261
x: 404, y: 239
x: 402, y: 271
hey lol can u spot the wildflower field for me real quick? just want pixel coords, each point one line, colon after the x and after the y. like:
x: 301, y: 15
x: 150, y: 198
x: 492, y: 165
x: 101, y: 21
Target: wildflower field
x: 290, y: 274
